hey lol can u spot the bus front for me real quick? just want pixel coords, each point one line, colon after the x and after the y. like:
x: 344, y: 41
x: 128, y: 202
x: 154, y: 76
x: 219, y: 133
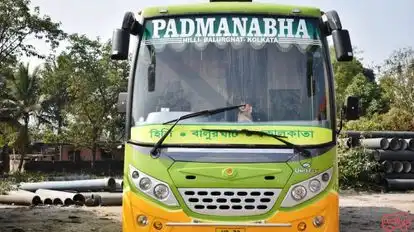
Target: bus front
x: 231, y: 121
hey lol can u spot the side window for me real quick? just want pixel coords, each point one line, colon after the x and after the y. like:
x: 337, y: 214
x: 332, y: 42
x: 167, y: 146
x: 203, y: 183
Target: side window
x: 140, y: 85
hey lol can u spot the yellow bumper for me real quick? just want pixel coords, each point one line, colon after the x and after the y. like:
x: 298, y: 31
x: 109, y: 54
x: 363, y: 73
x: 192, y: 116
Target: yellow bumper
x: 178, y: 221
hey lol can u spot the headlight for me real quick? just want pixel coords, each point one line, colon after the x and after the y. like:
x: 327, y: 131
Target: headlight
x: 161, y: 191
x: 152, y: 187
x: 299, y: 192
x: 145, y: 183
x: 314, y: 185
x: 307, y: 189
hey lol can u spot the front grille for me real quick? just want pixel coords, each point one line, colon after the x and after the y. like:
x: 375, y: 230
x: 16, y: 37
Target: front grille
x: 229, y: 202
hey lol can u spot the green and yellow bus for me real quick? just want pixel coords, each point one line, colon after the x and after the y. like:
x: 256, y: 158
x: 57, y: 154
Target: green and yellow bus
x: 231, y: 117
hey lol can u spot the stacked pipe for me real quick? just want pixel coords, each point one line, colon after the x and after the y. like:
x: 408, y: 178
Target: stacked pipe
x: 395, y: 153
x: 89, y: 192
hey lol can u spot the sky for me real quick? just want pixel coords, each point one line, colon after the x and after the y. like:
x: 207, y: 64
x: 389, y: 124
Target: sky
x: 376, y: 27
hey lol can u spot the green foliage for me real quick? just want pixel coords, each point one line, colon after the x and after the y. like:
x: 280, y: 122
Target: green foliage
x: 93, y: 88
x: 387, y: 106
x: 19, y: 25
x: 344, y: 73
x: 54, y: 84
x: 356, y: 168
x: 7, y: 183
x: 366, y: 123
x: 398, y: 79
x: 20, y: 102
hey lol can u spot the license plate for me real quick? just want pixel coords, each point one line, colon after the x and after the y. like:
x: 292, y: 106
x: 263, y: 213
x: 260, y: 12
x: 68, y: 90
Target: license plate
x: 230, y: 230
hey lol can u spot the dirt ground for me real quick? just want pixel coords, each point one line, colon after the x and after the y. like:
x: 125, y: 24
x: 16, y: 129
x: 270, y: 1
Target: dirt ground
x: 359, y: 212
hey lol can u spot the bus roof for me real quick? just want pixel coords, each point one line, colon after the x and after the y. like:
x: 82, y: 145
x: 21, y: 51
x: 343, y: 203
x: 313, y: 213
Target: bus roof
x: 230, y: 7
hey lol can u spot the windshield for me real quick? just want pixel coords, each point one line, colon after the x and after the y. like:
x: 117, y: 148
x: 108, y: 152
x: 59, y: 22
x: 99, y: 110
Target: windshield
x: 275, y: 65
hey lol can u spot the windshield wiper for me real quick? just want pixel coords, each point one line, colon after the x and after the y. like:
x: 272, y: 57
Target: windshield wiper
x: 261, y: 133
x: 156, y: 149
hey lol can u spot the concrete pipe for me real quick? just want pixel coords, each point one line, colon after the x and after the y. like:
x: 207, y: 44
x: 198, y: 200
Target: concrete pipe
x: 57, y: 201
x: 20, y: 197
x: 47, y: 201
x: 380, y: 134
x: 93, y: 201
x: 404, y: 144
x: 406, y: 166
x: 387, y: 166
x: 108, y: 199
x: 65, y: 197
x: 411, y: 144
x: 397, y: 166
x: 349, y: 142
x: 395, y: 144
x: 69, y: 178
x: 380, y: 155
x: 399, y: 184
x: 376, y: 143
x: 398, y: 176
x: 76, y: 185
x: 87, y: 194
x: 119, y: 184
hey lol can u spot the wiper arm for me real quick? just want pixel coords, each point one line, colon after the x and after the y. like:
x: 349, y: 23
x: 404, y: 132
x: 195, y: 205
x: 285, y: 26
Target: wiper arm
x: 261, y: 133
x: 155, y: 150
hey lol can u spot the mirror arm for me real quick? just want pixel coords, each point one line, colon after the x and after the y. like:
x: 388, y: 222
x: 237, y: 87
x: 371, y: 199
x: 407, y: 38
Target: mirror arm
x: 341, y: 118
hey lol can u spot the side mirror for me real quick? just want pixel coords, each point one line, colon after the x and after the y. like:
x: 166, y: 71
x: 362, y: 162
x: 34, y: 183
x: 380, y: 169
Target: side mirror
x: 351, y: 108
x: 121, y: 104
x: 120, y: 37
x: 342, y: 44
x: 151, y: 77
x: 120, y: 44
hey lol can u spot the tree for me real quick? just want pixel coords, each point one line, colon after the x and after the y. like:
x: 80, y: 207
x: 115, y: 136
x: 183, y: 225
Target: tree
x: 19, y: 103
x: 94, y: 88
x: 369, y: 93
x: 398, y: 79
x: 344, y: 73
x: 54, y: 84
x: 18, y: 25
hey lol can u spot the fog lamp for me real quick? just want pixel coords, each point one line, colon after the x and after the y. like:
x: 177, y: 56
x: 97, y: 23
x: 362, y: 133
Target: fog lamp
x: 318, y: 221
x: 157, y: 225
x: 302, y: 226
x: 142, y: 220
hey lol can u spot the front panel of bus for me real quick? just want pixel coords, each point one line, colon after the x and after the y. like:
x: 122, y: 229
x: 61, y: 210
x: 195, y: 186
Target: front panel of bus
x: 278, y: 65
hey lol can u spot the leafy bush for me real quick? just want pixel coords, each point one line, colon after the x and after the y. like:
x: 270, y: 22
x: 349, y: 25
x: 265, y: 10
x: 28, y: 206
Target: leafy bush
x: 6, y: 183
x: 394, y: 120
x: 356, y: 168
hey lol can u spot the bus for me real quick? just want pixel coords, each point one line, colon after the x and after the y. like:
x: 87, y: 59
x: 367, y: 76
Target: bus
x: 231, y: 122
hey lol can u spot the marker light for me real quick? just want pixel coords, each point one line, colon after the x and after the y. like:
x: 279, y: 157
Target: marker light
x: 157, y: 225
x: 325, y: 177
x: 135, y: 175
x: 302, y: 226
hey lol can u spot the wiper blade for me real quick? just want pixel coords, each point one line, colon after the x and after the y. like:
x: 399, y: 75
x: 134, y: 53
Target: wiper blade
x: 261, y: 133
x: 156, y: 149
